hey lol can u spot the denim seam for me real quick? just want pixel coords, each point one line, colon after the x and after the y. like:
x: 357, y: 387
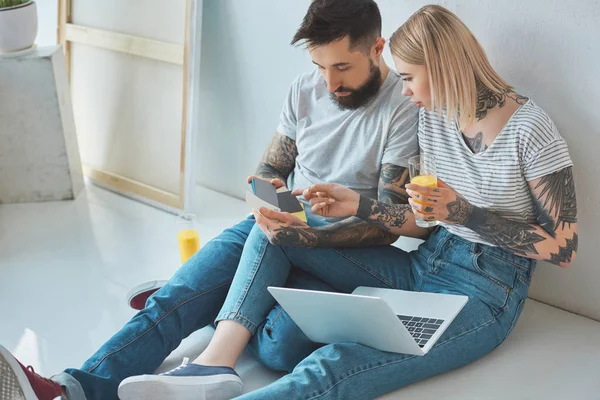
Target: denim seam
x: 366, y: 269
x: 239, y: 318
x: 270, y: 326
x: 514, y: 318
x: 436, y: 253
x: 159, y: 319
x: 257, y: 262
x: 404, y: 359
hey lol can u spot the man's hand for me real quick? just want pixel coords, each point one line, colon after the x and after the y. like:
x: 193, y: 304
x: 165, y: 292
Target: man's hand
x: 442, y: 203
x: 284, y: 229
x: 278, y: 183
x: 330, y: 199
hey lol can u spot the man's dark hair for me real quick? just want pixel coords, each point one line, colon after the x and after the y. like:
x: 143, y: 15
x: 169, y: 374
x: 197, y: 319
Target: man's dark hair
x: 330, y: 20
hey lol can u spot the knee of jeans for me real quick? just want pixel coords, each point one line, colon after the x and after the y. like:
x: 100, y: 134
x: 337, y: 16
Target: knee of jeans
x: 279, y: 344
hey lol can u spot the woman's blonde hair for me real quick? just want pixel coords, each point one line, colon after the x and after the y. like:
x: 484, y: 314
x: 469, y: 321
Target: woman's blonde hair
x: 455, y: 61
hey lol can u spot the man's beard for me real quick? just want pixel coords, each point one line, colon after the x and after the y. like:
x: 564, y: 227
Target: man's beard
x: 361, y: 96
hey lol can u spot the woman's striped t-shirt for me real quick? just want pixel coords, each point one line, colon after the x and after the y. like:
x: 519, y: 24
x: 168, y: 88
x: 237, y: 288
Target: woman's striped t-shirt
x: 528, y: 147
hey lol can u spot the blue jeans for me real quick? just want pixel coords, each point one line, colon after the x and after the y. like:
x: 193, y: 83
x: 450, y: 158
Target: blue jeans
x: 188, y: 302
x: 495, y: 281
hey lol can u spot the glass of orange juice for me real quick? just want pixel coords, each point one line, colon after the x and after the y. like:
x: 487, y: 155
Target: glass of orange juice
x: 422, y: 172
x: 187, y: 236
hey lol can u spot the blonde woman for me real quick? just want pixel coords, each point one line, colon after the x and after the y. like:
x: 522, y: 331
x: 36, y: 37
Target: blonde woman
x: 505, y: 199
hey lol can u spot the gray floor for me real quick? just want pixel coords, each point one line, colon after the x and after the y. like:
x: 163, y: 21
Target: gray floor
x: 66, y: 268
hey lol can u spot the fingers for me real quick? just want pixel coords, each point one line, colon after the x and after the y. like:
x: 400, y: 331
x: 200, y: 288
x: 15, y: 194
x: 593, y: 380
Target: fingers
x: 298, y: 192
x: 274, y: 215
x: 277, y: 183
x: 263, y: 222
x: 425, y: 190
x: 424, y: 193
x: 323, y: 200
x: 320, y: 209
x: 421, y: 207
x: 422, y: 198
x: 425, y: 217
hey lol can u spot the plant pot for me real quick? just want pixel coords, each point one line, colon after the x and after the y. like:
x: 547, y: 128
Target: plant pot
x: 18, y: 27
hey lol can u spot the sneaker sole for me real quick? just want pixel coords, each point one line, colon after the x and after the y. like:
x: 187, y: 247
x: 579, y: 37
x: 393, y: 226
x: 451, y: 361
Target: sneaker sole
x: 144, y: 287
x: 156, y: 387
x: 13, y: 380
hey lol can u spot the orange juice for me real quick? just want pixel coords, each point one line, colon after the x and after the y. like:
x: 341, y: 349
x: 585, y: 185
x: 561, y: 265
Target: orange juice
x: 189, y: 243
x: 424, y: 180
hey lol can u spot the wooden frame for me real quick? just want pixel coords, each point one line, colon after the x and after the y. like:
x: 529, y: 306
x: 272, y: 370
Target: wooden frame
x: 143, y: 47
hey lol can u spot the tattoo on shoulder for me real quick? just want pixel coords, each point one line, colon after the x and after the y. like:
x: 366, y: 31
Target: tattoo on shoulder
x: 486, y: 100
x: 392, y: 181
x: 520, y: 100
x: 556, y: 202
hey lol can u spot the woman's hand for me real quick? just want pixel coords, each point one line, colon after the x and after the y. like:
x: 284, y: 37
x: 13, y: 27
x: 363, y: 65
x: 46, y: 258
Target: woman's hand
x: 330, y: 199
x: 440, y: 203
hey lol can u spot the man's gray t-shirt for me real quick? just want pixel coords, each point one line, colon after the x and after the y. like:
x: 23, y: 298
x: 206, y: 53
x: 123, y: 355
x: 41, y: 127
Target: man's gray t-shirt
x: 347, y: 147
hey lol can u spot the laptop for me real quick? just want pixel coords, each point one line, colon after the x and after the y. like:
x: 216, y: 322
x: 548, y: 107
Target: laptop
x: 386, y: 319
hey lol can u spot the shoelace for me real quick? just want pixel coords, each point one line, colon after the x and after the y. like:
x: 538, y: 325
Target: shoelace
x: 50, y: 381
x: 185, y: 362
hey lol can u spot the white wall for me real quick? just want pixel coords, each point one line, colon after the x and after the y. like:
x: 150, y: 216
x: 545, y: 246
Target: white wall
x: 47, y: 22
x: 548, y: 49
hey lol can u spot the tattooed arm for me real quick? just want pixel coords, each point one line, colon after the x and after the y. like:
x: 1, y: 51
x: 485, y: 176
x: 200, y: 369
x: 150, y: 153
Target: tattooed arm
x: 354, y: 232
x: 350, y: 232
x: 554, y: 237
x: 279, y: 158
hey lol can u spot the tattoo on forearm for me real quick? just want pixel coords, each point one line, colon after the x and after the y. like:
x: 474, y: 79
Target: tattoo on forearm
x: 392, y: 182
x: 386, y: 216
x: 556, y: 203
x: 514, y: 236
x: 459, y: 211
x: 279, y: 158
x: 353, y: 232
x: 296, y: 236
x: 565, y: 253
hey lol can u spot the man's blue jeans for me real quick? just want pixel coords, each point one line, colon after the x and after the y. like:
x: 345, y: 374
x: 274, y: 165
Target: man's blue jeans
x: 188, y: 302
x: 495, y: 281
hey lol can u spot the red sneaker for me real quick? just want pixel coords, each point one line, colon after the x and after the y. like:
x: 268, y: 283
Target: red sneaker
x: 136, y: 298
x: 18, y: 382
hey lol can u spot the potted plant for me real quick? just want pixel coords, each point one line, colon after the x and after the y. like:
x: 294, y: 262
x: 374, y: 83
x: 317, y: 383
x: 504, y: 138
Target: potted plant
x: 18, y: 25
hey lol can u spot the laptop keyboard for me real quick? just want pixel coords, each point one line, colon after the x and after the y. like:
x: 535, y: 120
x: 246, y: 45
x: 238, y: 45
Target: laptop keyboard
x: 421, y: 329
